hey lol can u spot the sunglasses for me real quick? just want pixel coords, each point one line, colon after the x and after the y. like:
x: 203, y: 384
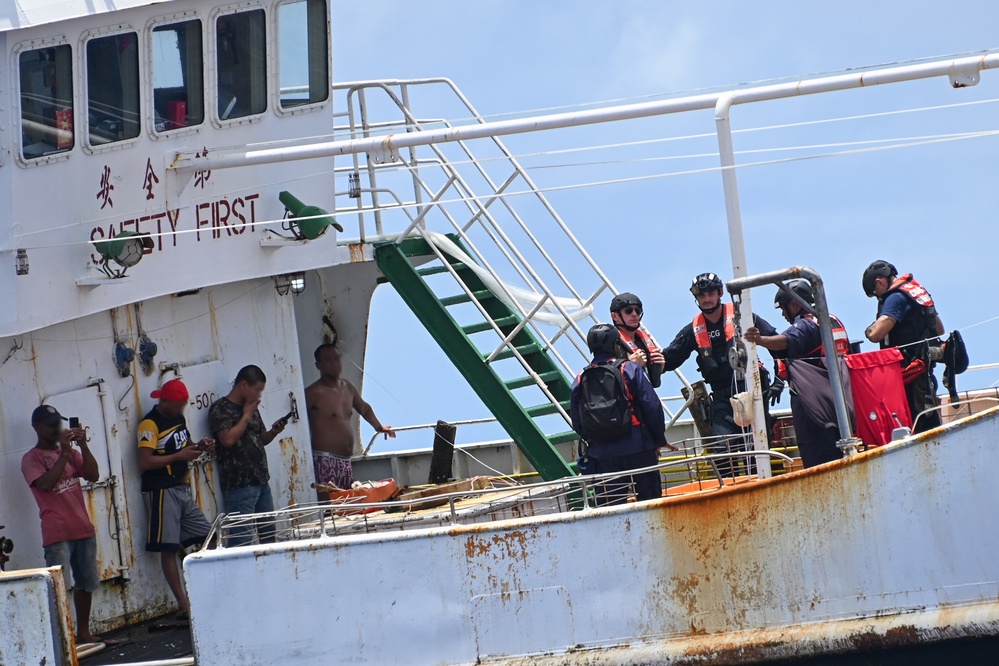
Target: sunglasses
x: 631, y: 309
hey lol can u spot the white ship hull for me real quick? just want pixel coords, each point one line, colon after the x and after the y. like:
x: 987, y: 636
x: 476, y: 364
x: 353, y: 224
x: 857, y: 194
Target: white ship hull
x: 859, y: 553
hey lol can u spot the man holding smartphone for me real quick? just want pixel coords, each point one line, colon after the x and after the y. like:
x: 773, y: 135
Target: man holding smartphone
x: 53, y: 469
x: 238, y: 427
x: 165, y: 450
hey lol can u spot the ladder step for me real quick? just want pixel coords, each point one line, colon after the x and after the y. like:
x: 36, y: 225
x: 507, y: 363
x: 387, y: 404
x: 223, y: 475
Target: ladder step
x: 563, y: 437
x: 480, y: 295
x: 508, y: 353
x: 546, y: 377
x: 502, y: 322
x: 440, y: 268
x: 545, y: 409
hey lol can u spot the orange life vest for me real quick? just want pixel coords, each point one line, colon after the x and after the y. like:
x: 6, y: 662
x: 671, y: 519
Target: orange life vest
x: 701, y: 336
x: 642, y: 336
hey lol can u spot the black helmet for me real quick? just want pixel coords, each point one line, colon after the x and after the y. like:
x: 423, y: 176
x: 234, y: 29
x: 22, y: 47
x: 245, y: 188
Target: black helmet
x: 879, y: 268
x: 706, y: 282
x: 800, y: 287
x: 603, y: 339
x: 624, y: 300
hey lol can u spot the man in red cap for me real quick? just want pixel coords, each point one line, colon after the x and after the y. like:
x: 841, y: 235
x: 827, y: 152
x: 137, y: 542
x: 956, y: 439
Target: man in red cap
x: 165, y: 449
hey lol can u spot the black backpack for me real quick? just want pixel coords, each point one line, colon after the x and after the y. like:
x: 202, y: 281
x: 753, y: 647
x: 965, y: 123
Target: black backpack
x: 604, y: 402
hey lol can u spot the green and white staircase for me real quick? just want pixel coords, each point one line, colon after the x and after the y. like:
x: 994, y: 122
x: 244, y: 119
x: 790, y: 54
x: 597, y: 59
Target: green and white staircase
x: 478, y: 366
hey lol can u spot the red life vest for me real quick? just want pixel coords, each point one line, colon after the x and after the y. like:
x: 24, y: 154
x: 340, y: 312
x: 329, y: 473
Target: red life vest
x: 701, y: 337
x: 921, y: 325
x: 840, y: 338
x: 912, y: 289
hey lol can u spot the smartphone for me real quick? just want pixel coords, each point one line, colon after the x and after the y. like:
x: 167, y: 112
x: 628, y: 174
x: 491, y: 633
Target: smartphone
x: 74, y: 422
x: 287, y: 417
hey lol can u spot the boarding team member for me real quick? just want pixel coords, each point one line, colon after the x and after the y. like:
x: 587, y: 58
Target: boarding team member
x: 165, y: 450
x: 626, y: 313
x: 907, y: 319
x: 802, y: 343
x: 711, y: 335
x: 642, y: 433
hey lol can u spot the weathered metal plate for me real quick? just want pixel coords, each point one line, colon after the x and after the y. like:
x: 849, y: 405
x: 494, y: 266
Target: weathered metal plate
x: 814, y: 561
x: 34, y: 602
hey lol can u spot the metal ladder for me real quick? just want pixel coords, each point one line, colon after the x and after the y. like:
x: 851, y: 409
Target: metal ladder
x: 518, y: 365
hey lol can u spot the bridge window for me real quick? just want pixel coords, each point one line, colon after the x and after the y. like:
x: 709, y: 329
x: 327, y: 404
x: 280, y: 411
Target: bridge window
x: 46, y: 101
x: 113, y: 88
x: 178, y: 76
x: 303, y: 53
x: 241, y: 53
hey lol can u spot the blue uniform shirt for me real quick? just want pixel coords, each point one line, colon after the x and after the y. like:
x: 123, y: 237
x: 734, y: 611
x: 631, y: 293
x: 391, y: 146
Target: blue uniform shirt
x: 645, y: 403
x: 803, y: 338
x: 896, y: 306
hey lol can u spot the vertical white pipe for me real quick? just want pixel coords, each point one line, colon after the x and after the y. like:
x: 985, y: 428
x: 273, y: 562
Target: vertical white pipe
x: 726, y: 153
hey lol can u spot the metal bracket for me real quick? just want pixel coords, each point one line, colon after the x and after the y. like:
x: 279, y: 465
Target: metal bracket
x: 964, y: 76
x: 385, y: 154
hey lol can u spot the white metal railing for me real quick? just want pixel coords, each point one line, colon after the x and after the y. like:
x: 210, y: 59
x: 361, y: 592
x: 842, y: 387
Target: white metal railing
x: 480, y: 219
x: 492, y: 419
x: 355, y: 515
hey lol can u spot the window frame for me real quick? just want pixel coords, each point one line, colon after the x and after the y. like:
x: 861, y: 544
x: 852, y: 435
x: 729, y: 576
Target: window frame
x: 275, y: 28
x: 84, y: 79
x: 148, y: 88
x: 15, y: 53
x: 211, y: 89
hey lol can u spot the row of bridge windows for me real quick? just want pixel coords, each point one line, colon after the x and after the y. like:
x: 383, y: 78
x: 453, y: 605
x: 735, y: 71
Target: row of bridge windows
x: 175, y: 75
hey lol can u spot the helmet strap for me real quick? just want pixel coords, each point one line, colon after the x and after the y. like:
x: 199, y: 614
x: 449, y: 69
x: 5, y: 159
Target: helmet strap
x: 711, y: 310
x: 626, y: 327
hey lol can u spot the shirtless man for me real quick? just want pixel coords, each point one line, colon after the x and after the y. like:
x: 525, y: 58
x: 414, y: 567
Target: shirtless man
x: 331, y: 401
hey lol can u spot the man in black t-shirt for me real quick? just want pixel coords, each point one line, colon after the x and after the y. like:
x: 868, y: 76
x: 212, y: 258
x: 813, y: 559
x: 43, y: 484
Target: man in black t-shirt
x: 711, y: 334
x: 238, y: 427
x: 165, y: 449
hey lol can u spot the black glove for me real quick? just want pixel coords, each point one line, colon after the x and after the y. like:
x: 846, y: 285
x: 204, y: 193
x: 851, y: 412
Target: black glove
x: 775, y: 390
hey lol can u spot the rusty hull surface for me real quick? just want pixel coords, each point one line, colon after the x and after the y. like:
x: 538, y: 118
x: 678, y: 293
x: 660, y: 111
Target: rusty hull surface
x: 887, y: 548
x: 35, y: 619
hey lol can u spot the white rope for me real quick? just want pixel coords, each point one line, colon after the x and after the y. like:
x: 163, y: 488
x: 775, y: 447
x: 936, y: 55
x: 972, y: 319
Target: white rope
x: 559, y: 188
x: 526, y: 300
x: 709, y: 89
x: 779, y: 149
x: 704, y: 135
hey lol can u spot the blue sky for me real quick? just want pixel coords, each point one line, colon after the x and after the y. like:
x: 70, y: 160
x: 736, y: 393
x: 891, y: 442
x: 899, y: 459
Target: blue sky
x: 931, y: 209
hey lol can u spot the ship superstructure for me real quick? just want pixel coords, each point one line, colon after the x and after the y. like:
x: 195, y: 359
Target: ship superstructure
x: 165, y: 175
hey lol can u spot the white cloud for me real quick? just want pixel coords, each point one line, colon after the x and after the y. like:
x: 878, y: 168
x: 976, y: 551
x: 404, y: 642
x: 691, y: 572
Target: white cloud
x: 653, y: 54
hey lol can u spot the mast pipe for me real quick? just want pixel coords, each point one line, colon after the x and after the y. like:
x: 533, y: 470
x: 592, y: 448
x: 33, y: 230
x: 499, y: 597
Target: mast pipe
x: 959, y: 69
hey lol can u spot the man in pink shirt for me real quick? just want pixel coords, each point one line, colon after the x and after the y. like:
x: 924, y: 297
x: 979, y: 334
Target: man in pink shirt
x: 53, y: 470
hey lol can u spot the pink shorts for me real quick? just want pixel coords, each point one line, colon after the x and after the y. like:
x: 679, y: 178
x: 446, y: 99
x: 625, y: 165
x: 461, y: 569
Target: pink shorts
x: 332, y: 470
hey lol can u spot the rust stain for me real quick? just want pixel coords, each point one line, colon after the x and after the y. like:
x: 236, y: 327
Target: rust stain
x: 67, y: 633
x: 512, y: 544
x: 289, y: 453
x: 475, y: 547
x: 356, y: 252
